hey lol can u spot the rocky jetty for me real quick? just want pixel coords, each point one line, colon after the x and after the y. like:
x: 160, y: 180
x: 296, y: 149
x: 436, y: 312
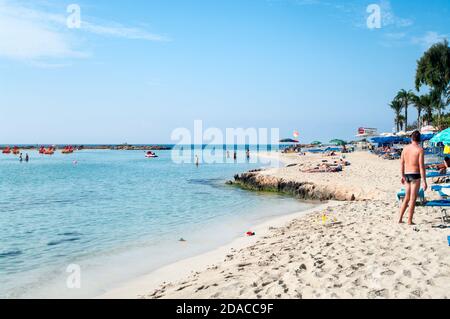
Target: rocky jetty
x: 122, y: 147
x: 126, y: 147
x: 256, y: 181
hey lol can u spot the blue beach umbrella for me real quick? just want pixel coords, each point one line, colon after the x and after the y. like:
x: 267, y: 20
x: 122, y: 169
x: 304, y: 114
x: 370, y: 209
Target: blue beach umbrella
x: 442, y: 137
x: 386, y: 140
x: 427, y: 137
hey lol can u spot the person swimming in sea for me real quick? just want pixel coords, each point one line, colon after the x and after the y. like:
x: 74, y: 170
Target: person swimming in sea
x: 27, y: 158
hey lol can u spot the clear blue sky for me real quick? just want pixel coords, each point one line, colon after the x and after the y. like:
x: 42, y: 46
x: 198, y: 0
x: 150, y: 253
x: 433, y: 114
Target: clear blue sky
x: 136, y: 70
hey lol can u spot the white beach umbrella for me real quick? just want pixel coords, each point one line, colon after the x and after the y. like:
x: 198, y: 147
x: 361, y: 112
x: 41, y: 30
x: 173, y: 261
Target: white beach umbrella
x: 387, y: 134
x: 428, y: 129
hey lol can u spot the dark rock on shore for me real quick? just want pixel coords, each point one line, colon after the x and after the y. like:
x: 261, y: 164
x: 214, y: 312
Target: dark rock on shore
x: 255, y: 181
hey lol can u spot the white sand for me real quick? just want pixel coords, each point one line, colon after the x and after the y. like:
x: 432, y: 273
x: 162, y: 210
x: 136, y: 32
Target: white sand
x: 139, y: 287
x: 360, y: 251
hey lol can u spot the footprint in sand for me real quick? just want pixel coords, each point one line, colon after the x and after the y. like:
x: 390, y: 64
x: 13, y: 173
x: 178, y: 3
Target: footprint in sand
x: 388, y: 273
x: 376, y: 294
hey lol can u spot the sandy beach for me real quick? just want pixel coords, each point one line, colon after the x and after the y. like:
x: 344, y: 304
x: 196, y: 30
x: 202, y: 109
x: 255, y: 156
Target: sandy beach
x: 357, y: 251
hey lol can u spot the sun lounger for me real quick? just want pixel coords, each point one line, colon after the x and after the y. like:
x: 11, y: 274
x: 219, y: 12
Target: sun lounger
x: 439, y: 189
x: 436, y: 174
x: 315, y: 151
x: 436, y: 163
x: 333, y: 149
x: 444, y: 205
x: 429, y: 152
x: 401, y: 195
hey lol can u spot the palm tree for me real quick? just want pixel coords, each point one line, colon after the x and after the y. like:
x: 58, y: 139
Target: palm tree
x: 427, y: 106
x: 405, y: 98
x: 397, y: 107
x: 401, y: 122
x: 420, y: 103
x: 437, y: 101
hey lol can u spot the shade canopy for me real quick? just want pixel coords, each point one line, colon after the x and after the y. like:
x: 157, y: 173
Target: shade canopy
x: 427, y: 136
x: 442, y: 137
x: 288, y: 140
x: 386, y: 140
x: 428, y: 129
x: 338, y: 142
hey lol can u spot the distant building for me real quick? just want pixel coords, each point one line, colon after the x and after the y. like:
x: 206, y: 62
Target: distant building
x: 367, y: 132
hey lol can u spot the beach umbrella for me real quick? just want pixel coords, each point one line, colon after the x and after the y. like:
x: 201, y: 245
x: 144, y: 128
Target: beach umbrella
x: 428, y: 129
x: 316, y: 143
x: 288, y: 140
x: 442, y: 137
x: 426, y: 136
x: 338, y: 142
x: 388, y: 140
x: 387, y: 134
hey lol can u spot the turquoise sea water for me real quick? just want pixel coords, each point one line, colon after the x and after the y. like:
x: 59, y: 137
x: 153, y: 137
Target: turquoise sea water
x: 117, y: 215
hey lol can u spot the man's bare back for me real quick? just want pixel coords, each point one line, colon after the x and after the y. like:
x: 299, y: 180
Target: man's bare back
x: 411, y: 156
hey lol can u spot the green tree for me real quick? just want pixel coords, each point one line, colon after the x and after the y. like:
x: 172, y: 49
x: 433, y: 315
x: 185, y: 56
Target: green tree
x: 397, y: 107
x: 442, y: 122
x: 422, y: 103
x: 405, y: 98
x: 401, y: 122
x: 433, y: 70
x: 427, y: 107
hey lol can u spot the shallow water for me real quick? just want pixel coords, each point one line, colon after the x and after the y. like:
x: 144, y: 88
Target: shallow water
x: 117, y: 215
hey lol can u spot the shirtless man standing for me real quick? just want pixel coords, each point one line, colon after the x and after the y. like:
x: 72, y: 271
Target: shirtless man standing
x: 413, y: 171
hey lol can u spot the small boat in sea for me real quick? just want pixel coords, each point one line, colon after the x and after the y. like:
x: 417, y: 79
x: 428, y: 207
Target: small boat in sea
x: 68, y: 150
x: 7, y: 150
x: 42, y: 150
x: 49, y: 151
x: 151, y: 155
x: 16, y: 150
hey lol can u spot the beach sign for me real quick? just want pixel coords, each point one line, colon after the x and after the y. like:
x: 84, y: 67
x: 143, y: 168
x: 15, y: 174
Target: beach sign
x: 367, y: 132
